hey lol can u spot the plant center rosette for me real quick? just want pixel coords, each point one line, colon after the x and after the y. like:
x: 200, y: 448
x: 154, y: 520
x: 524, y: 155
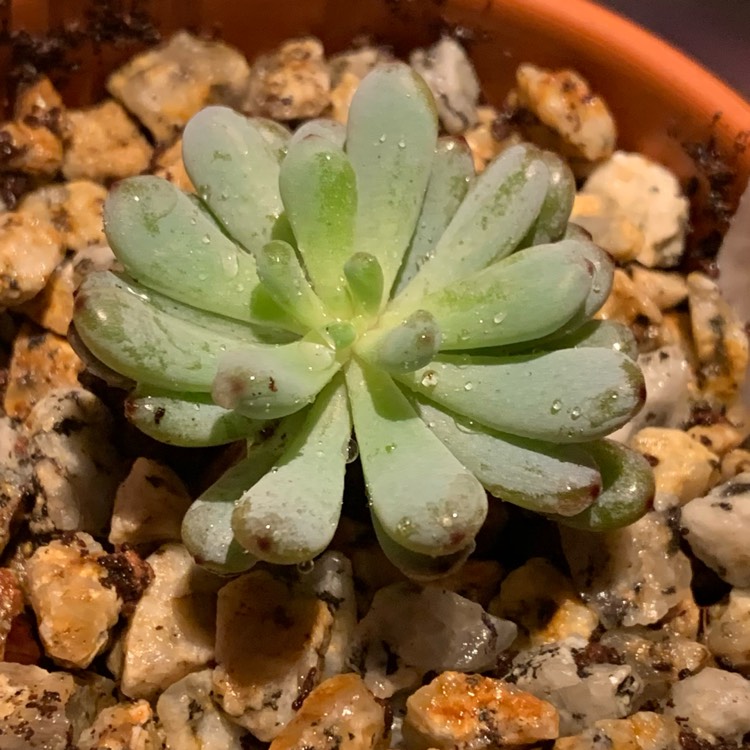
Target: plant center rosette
x: 364, y: 278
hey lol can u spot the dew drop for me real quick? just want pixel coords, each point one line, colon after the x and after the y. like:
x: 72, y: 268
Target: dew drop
x: 464, y: 335
x: 402, y: 144
x: 468, y: 386
x: 136, y: 199
x: 390, y: 448
x: 404, y: 526
x: 382, y: 138
x: 575, y: 412
x: 467, y: 426
x: 499, y: 318
x: 430, y: 379
x: 352, y: 451
x: 596, y: 288
x: 306, y: 567
x: 556, y: 406
x: 206, y: 239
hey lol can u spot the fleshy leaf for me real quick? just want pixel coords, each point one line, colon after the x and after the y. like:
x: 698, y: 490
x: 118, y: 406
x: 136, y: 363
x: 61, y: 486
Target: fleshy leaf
x: 331, y: 130
x: 267, y: 382
x: 291, y: 514
x: 542, y: 477
x: 568, y: 396
x: 605, y: 334
x: 526, y: 296
x: 187, y: 419
x: 553, y: 216
x: 207, y: 526
x: 405, y: 347
x: 415, y: 565
x: 391, y: 137
x: 365, y: 279
x: 235, y: 172
x: 494, y: 217
x: 275, y: 134
x: 452, y: 171
x: 628, y: 489
x: 168, y: 243
x: 424, y: 499
x: 117, y: 322
x: 284, y: 279
x: 319, y: 191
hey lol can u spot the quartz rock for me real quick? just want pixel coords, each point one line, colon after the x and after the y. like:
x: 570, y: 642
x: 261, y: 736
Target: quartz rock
x: 11, y: 605
x: 149, y: 505
x: 657, y: 657
x: 463, y: 637
x: 449, y: 73
x: 30, y: 147
x: 166, y: 85
x: 15, y: 477
x: 74, y: 606
x: 53, y: 307
x: 715, y: 704
x: 579, y: 680
x: 467, y: 712
x: 666, y: 288
x: 649, y: 196
x: 347, y: 70
x: 30, y: 250
x: 292, y: 82
x: 543, y: 604
x: 625, y: 304
x: 171, y: 632
x: 719, y: 337
x: 641, y: 731
x: 126, y: 726
x: 608, y: 226
x: 190, y: 718
x: 260, y: 688
x: 171, y: 167
x: 481, y: 138
x: 40, y: 102
x: 727, y: 631
x: 476, y: 580
x: 632, y: 576
x: 717, y: 528
x: 104, y: 144
x: 340, y: 712
x: 42, y: 710
x: 77, y: 469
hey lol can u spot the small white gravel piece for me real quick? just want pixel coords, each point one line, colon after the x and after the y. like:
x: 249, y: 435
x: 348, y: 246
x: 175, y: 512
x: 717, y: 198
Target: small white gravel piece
x: 166, y: 85
x: 292, y: 82
x: 632, y: 576
x: 104, y: 144
x: 449, y: 73
x: 649, y: 196
x: 171, y: 632
x: 714, y: 703
x: 717, y: 528
x: 149, y: 505
x: 126, y: 726
x: 642, y: 731
x: 190, y: 718
x: 391, y: 647
x: 41, y: 710
x: 467, y: 712
x: 727, y: 631
x: 578, y: 680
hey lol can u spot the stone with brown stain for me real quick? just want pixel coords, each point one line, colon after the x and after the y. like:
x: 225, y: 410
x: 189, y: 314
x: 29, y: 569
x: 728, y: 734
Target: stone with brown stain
x: 41, y: 362
x: 341, y: 712
x: 126, y: 726
x: 467, y: 712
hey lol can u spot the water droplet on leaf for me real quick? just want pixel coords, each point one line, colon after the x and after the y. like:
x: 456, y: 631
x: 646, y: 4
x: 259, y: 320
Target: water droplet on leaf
x: 556, y: 406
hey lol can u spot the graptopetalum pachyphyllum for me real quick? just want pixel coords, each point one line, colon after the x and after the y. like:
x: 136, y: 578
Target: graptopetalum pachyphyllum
x: 364, y: 278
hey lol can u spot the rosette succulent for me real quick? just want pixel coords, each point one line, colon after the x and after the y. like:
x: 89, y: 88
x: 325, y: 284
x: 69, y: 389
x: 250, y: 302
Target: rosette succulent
x: 364, y: 279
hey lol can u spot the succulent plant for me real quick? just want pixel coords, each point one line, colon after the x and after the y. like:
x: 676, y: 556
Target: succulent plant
x: 364, y: 278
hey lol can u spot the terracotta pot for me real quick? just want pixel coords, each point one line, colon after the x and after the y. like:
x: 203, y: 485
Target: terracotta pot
x: 665, y: 105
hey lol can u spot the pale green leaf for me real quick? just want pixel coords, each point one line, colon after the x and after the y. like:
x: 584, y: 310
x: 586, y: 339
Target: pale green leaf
x: 267, y: 382
x: 331, y: 130
x: 291, y: 514
x: 452, y: 172
x: 424, y: 499
x: 553, y: 217
x: 187, y: 419
x: 364, y: 277
x: 542, y: 477
x: 570, y: 395
x: 627, y: 492
x: 391, y: 137
x: 207, y: 526
x: 235, y: 172
x: 275, y: 134
x: 168, y: 243
x: 319, y: 191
